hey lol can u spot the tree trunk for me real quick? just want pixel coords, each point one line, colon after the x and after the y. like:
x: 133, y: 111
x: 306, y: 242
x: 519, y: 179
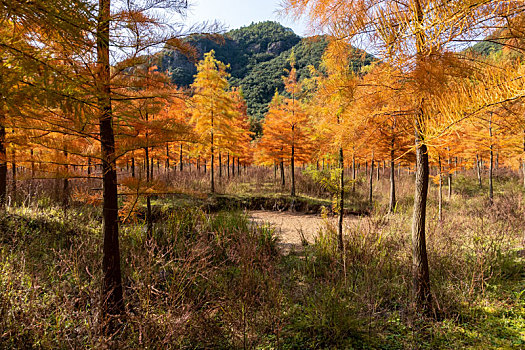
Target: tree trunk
x: 282, y: 174
x: 478, y: 168
x: 13, y: 173
x: 420, y: 272
x: 440, y: 194
x: 393, y: 203
x: 181, y: 165
x: 65, y: 187
x: 212, y: 172
x: 341, y: 198
x: 228, y: 164
x: 292, y: 169
x: 354, y: 172
x: 370, y: 189
x: 149, y: 177
x: 220, y: 165
x: 491, y: 166
x: 112, y: 299
x: 449, y: 177
x: 168, y: 159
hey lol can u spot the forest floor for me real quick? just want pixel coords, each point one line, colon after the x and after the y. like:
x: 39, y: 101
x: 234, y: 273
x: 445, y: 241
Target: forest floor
x: 295, y: 230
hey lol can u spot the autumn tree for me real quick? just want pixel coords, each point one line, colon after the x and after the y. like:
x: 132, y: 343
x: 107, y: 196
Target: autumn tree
x: 412, y: 35
x: 212, y: 107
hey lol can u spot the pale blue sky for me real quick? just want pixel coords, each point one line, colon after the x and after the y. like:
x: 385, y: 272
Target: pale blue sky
x: 237, y: 13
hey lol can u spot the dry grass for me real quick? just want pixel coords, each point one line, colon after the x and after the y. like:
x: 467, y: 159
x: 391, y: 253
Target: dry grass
x: 216, y: 281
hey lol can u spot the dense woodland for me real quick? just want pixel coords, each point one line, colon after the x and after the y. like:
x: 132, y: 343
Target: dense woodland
x: 135, y: 150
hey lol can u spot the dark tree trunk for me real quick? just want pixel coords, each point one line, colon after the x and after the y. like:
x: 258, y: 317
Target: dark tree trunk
x: 112, y: 299
x: 371, y: 184
x: 354, y: 172
x: 292, y: 170
x: 181, y: 165
x: 449, y: 177
x: 491, y: 165
x: 3, y: 156
x: 149, y: 177
x: 393, y: 202
x: 13, y: 173
x: 282, y: 174
x: 65, y: 188
x: 220, y: 165
x: 167, y: 158
x: 228, y: 164
x: 151, y: 168
x: 440, y: 194
x: 341, y: 198
x: 132, y: 166
x: 420, y: 271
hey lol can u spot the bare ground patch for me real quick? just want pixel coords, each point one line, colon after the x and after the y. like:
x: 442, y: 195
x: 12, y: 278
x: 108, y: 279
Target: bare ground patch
x: 292, y: 227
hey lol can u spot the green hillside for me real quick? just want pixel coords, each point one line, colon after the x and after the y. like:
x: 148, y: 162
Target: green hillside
x: 258, y: 56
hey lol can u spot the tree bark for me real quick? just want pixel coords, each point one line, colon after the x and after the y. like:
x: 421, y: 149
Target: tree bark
x: 65, y: 187
x: 440, y: 195
x: 491, y: 166
x: 292, y: 169
x: 112, y: 299
x: 341, y: 198
x: 420, y: 271
x: 354, y: 172
x: 181, y: 165
x: 212, y: 172
x: 13, y: 173
x: 370, y: 189
x: 478, y: 168
x: 220, y: 165
x: 393, y: 203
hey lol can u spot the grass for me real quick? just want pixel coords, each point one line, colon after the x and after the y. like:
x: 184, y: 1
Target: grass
x: 212, y: 279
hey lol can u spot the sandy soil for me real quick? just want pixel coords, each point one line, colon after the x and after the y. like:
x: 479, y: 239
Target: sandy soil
x: 291, y: 227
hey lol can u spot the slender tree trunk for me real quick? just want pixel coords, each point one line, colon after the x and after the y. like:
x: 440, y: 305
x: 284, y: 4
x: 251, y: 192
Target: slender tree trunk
x: 65, y: 188
x: 341, y: 198
x: 149, y: 177
x: 421, y: 277
x: 133, y: 167
x: 478, y: 170
x: 440, y: 195
x: 233, y: 166
x: 212, y: 172
x: 32, y: 165
x: 167, y: 159
x: 181, y: 165
x: 112, y: 299
x: 151, y: 168
x: 292, y: 169
x: 370, y: 192
x: 220, y: 165
x: 3, y: 155
x: 13, y: 173
x: 282, y: 174
x: 354, y: 172
x: 228, y: 164
x: 449, y: 176
x: 491, y: 166
x: 393, y: 202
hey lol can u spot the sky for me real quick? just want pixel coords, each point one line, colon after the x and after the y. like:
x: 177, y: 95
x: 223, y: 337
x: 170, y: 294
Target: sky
x: 238, y: 13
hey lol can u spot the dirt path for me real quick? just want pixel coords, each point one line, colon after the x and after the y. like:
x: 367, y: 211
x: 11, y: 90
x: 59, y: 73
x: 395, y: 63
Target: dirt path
x: 291, y: 227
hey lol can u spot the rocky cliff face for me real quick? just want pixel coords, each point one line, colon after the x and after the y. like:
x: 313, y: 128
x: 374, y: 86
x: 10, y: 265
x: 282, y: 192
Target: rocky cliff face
x: 258, y: 56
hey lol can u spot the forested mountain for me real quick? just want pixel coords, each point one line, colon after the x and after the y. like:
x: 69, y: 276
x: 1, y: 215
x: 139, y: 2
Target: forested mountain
x: 258, y: 56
